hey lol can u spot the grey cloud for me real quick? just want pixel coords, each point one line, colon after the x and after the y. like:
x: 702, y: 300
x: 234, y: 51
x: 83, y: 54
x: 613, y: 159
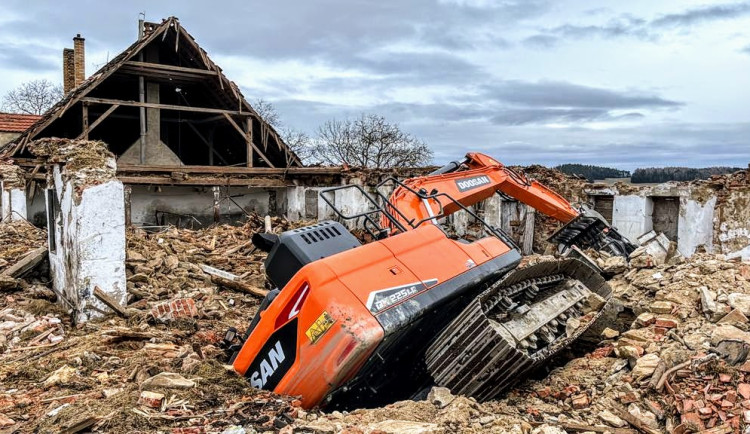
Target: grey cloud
x: 29, y: 57
x: 541, y: 41
x: 562, y: 94
x: 631, y: 26
x: 702, y: 14
x: 746, y: 49
x: 526, y: 116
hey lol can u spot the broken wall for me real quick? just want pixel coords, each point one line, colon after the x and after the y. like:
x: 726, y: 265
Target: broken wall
x: 12, y: 192
x: 86, y: 224
x: 170, y: 204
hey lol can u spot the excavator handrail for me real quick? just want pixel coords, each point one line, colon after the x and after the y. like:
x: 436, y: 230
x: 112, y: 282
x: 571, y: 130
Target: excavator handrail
x: 427, y: 196
x: 366, y: 215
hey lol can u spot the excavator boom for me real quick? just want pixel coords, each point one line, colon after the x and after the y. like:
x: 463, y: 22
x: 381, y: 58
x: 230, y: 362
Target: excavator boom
x: 478, y: 177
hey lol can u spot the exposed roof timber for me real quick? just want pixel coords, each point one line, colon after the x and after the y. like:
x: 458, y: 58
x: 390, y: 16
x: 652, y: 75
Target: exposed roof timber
x: 292, y: 171
x: 183, y: 108
x: 166, y: 71
x: 125, y: 62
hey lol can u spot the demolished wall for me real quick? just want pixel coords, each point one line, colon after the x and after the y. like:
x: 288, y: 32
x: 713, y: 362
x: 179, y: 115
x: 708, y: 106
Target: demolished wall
x: 12, y: 192
x: 86, y: 223
x: 714, y: 214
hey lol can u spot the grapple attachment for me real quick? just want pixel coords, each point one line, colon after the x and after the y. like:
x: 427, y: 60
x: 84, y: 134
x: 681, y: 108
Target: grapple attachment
x: 591, y: 230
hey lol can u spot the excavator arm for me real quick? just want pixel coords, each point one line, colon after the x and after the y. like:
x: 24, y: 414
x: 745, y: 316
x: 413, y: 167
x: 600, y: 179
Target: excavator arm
x: 422, y: 200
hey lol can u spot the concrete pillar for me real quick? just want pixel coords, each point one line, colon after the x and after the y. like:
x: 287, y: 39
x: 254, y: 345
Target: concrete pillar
x: 12, y: 193
x: 631, y: 215
x: 695, y: 225
x: 89, y: 244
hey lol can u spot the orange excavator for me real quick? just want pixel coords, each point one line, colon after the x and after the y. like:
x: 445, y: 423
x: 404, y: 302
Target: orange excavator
x: 352, y: 325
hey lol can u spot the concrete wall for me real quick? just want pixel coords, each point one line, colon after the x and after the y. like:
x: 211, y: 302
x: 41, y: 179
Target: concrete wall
x: 12, y: 203
x: 631, y: 216
x: 6, y: 137
x: 89, y: 247
x: 695, y: 225
x: 196, y: 201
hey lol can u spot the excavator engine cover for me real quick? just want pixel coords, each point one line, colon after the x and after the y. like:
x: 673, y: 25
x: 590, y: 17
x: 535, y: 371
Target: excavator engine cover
x: 298, y: 247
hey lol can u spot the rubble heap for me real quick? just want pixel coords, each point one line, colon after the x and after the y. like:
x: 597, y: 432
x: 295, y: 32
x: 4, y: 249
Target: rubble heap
x: 87, y: 162
x: 152, y: 365
x: 673, y: 359
x: 567, y: 186
x: 11, y: 175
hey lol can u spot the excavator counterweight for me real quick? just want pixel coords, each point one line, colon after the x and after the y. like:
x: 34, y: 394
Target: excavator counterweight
x: 354, y: 325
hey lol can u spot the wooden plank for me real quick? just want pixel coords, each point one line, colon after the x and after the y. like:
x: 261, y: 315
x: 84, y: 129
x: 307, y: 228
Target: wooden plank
x: 527, y: 242
x: 237, y: 127
x: 85, y: 134
x: 110, y: 302
x: 249, y: 141
x: 238, y: 286
x: 164, y: 106
x: 27, y: 263
x: 158, y: 180
x: 127, y: 192
x: 217, y: 203
x: 161, y: 67
x: 262, y: 171
x: 85, y: 117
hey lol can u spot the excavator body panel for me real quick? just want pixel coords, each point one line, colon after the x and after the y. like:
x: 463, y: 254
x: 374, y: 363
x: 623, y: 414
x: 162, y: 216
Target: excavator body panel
x: 335, y: 312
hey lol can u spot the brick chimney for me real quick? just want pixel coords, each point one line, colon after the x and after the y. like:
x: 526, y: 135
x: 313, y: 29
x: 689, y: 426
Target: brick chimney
x: 79, y: 56
x: 68, y: 70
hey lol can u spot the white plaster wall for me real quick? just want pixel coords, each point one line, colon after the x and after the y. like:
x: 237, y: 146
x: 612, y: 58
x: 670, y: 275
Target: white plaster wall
x: 695, y: 225
x: 13, y: 204
x: 631, y: 216
x: 90, y: 248
x: 197, y: 201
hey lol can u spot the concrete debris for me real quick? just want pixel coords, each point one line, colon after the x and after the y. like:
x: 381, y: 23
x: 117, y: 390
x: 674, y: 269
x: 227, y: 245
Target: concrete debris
x: 86, y: 162
x: 168, y: 380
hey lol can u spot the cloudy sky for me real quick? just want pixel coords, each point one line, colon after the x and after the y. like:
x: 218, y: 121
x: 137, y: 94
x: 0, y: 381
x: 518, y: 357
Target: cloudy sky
x: 623, y: 84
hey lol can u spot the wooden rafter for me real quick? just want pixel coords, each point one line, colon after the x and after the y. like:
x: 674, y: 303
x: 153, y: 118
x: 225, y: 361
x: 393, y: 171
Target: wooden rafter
x: 100, y: 119
x: 244, y: 135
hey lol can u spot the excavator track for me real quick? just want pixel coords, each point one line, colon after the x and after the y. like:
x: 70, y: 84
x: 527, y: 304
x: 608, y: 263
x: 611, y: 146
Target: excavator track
x: 515, y: 326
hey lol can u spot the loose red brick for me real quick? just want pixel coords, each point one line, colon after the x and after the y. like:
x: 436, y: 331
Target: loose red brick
x: 151, y: 399
x: 731, y: 396
x: 544, y: 392
x: 179, y: 308
x: 705, y: 412
x: 688, y: 405
x: 580, y: 401
x: 725, y: 378
x: 744, y: 390
x: 692, y: 418
x: 667, y: 323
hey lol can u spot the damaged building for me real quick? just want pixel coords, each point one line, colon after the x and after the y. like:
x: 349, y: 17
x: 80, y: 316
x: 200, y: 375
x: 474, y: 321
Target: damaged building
x: 182, y: 133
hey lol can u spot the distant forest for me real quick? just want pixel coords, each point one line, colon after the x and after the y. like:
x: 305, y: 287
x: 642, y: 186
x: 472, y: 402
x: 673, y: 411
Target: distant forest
x: 592, y: 172
x: 664, y: 174
x: 651, y: 175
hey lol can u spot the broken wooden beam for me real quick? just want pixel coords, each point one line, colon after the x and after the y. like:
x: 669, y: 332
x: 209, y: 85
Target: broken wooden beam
x: 27, y: 263
x: 110, y: 302
x: 238, y: 286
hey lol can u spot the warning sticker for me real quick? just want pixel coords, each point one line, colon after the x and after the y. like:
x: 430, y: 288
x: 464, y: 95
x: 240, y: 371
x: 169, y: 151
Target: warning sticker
x: 319, y: 327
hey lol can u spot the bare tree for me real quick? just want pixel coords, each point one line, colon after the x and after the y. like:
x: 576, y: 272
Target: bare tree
x: 299, y: 142
x: 32, y: 97
x: 369, y: 141
x: 267, y: 112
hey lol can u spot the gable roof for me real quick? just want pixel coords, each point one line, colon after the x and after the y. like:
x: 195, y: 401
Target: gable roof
x: 16, y: 122
x: 152, y: 31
